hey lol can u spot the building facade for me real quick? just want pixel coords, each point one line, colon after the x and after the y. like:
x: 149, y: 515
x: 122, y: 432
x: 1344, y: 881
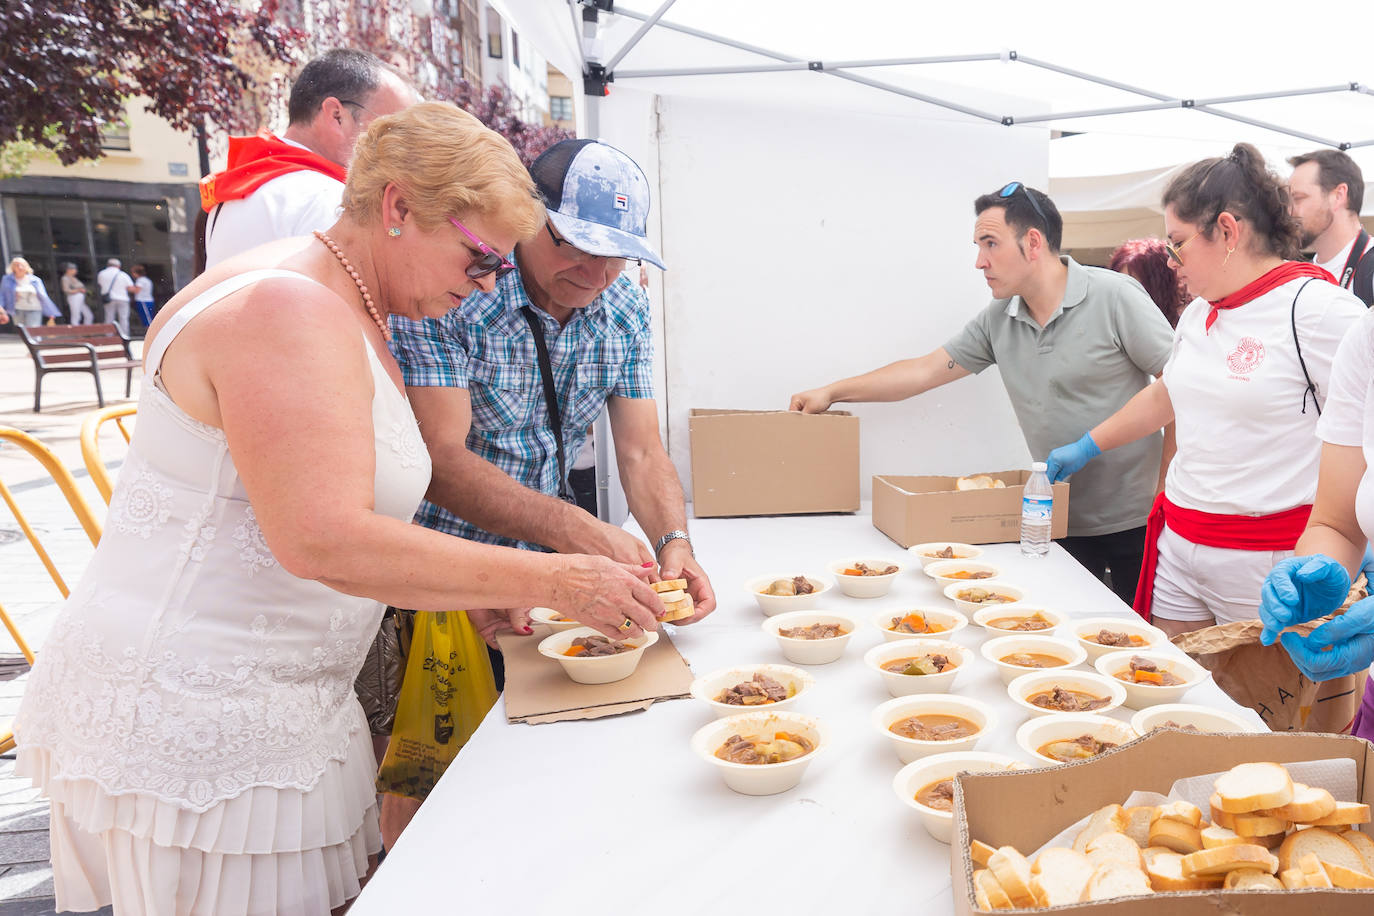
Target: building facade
x: 138, y: 203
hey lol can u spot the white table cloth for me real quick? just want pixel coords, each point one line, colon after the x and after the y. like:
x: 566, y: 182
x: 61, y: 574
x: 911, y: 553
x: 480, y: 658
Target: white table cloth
x: 618, y: 815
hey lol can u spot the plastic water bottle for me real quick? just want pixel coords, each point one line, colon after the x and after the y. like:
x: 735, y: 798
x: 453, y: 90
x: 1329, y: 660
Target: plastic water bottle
x: 1037, y: 513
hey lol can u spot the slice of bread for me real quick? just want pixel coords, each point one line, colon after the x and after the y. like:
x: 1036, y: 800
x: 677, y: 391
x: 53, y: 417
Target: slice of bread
x: 1182, y: 811
x: 1346, y: 813
x: 1115, y: 879
x: 678, y: 610
x: 980, y: 852
x: 1166, y: 874
x: 669, y: 585
x: 1138, y: 821
x: 1249, y: 787
x: 1215, y: 836
x: 1228, y: 858
x: 993, y: 893
x: 1109, y: 819
x: 1365, y: 846
x: 1292, y: 878
x: 1250, y: 825
x: 1060, y: 876
x: 1271, y: 842
x: 1013, y: 872
x: 1347, y: 877
x: 1175, y: 835
x: 1219, y: 817
x: 1114, y: 847
x: 1326, y: 845
x: 1244, y: 879
x: 1308, y: 804
x: 1314, y: 871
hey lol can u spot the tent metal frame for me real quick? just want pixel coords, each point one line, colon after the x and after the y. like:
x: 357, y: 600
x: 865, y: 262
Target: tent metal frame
x: 597, y: 76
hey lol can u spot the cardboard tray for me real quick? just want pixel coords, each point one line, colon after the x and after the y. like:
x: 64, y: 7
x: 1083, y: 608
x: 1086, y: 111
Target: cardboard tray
x: 538, y: 691
x: 918, y: 510
x: 1028, y: 808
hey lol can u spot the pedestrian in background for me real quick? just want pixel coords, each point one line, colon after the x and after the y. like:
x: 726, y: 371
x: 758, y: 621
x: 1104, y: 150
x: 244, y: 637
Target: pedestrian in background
x: 75, y: 291
x: 1147, y: 262
x: 114, y: 285
x: 142, y: 291
x: 22, y: 295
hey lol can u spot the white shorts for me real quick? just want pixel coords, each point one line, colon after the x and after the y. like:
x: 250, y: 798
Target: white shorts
x: 1198, y: 583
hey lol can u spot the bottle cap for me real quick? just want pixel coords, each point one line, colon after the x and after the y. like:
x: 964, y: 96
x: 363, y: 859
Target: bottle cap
x: 1039, y: 466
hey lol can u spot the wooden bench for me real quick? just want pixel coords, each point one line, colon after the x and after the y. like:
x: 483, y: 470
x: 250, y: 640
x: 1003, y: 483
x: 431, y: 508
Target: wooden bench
x: 79, y: 348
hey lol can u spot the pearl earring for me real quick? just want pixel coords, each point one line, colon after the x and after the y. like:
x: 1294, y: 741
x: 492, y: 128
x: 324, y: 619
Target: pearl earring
x: 394, y: 232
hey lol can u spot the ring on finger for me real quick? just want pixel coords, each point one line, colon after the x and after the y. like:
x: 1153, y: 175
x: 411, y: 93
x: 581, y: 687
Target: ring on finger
x: 628, y: 624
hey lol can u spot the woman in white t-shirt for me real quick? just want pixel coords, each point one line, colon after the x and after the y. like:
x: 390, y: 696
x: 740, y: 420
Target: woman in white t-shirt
x: 1316, y: 581
x: 1244, y: 386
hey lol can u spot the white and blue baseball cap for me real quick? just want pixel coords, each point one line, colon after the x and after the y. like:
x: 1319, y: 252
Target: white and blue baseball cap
x: 597, y: 198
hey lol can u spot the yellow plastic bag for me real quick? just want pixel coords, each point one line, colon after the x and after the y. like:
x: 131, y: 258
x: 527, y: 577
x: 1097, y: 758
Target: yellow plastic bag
x: 447, y: 690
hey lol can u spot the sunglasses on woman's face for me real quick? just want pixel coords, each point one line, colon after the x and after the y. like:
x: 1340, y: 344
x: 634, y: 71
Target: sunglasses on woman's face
x: 489, y: 261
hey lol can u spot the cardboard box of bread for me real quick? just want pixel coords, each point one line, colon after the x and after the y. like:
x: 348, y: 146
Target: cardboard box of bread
x: 977, y: 509
x: 1262, y: 834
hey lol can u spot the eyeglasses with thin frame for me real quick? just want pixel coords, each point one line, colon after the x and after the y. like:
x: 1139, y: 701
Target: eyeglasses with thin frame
x: 489, y: 262
x: 358, y: 105
x: 1012, y: 187
x: 1176, y: 251
x: 577, y: 253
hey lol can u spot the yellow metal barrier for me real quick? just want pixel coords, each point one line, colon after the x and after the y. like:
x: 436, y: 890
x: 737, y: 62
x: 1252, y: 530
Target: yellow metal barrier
x: 90, y: 444
x: 67, y: 484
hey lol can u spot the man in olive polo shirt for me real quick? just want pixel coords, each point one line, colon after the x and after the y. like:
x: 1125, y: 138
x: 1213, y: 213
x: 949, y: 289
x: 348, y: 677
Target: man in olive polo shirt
x: 1073, y: 345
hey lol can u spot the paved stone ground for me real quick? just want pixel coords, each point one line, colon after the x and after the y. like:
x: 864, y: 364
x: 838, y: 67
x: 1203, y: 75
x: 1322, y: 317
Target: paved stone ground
x: 26, y: 591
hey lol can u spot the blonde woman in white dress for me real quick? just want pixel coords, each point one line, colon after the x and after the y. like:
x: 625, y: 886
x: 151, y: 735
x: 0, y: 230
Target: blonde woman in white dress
x: 192, y: 715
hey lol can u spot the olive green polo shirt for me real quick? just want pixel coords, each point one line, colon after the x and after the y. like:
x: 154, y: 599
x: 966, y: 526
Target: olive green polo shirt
x: 1103, y: 344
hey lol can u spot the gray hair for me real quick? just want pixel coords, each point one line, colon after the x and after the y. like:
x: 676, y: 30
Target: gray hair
x: 113, y: 262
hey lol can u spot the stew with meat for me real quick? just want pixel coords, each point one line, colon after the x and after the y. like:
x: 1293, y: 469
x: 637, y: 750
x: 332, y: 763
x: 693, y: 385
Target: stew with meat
x: 759, y: 691
x: 1032, y: 660
x: 596, y: 647
x: 1080, y: 748
x: 1022, y: 624
x: 863, y: 569
x: 797, y: 585
x: 919, y: 665
x: 756, y: 749
x: 982, y: 596
x: 815, y: 631
x: 915, y: 623
x: 933, y: 727
x: 1063, y: 699
x: 1105, y: 637
x: 1144, y: 671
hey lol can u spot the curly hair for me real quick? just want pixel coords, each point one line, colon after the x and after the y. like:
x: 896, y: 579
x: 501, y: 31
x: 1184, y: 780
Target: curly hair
x: 1147, y: 262
x: 1244, y: 186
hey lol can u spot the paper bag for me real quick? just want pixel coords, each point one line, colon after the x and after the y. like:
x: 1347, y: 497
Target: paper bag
x: 447, y: 690
x: 1265, y: 678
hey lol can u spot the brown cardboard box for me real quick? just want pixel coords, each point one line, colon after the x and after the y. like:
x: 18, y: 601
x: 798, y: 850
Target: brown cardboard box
x: 918, y: 510
x: 1027, y: 809
x: 773, y: 462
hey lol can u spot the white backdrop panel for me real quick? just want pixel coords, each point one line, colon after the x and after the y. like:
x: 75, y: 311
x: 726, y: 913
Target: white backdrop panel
x: 807, y: 245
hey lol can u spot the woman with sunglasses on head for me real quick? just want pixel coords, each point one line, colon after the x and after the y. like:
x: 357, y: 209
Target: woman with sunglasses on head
x: 1244, y: 386
x: 192, y: 716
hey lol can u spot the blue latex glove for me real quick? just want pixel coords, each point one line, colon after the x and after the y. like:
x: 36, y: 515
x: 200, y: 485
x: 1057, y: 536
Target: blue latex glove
x: 1300, y: 589
x: 1351, y: 640
x: 1367, y: 566
x: 1067, y: 459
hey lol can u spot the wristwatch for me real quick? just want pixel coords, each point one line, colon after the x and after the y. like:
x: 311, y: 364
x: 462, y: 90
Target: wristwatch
x: 671, y: 536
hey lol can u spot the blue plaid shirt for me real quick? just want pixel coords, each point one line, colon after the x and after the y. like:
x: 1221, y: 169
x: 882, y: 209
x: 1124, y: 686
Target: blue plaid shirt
x: 485, y: 346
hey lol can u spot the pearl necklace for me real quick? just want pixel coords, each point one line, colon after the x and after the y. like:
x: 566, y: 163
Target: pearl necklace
x: 335, y: 250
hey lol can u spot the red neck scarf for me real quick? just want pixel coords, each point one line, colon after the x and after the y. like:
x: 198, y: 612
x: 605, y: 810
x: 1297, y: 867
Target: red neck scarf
x: 1288, y: 270
x: 254, y: 161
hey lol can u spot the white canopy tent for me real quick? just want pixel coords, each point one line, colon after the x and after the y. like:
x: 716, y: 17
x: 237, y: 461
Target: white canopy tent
x: 816, y: 164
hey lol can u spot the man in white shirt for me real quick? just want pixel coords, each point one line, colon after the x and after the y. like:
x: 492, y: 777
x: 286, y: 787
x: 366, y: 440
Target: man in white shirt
x: 279, y: 187
x: 1327, y: 191
x: 113, y: 285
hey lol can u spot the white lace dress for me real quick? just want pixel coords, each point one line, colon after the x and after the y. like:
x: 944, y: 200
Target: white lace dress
x: 192, y: 716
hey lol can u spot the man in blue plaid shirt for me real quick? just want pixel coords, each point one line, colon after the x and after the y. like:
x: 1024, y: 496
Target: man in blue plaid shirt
x: 476, y: 384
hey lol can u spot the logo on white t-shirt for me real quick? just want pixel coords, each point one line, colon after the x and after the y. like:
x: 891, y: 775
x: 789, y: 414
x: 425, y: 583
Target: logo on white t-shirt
x: 1246, y: 357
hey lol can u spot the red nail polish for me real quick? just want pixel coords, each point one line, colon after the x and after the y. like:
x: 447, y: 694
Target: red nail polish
x: 646, y: 565
x: 529, y: 630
